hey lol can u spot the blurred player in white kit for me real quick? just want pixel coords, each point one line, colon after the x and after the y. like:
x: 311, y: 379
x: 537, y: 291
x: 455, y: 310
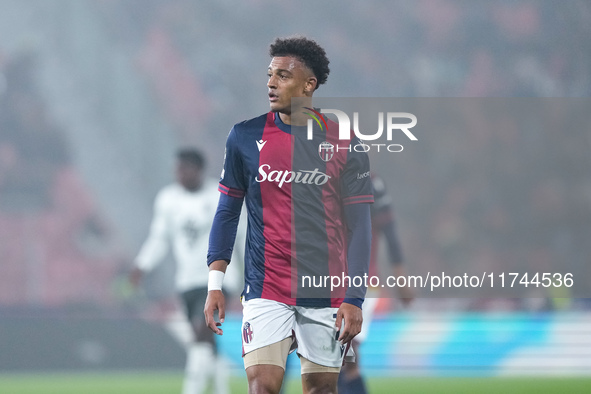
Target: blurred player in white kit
x: 183, y: 215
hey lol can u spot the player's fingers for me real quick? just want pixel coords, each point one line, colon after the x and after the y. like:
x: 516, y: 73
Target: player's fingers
x: 214, y: 327
x: 344, y: 336
x: 347, y: 337
x: 351, y: 328
x: 208, y: 321
x: 344, y: 329
x: 355, y: 329
x: 222, y: 311
x: 209, y: 318
x: 208, y: 311
x: 339, y: 320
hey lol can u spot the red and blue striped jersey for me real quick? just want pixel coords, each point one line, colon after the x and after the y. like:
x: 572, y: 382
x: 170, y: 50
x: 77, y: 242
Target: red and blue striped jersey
x: 295, y: 190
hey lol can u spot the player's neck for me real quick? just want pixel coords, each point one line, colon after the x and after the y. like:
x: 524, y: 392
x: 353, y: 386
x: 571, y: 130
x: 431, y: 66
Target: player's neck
x: 192, y: 188
x: 295, y: 115
x: 293, y: 119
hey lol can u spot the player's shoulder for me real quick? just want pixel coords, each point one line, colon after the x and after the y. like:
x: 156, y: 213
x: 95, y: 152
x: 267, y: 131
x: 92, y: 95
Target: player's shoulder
x: 168, y: 194
x: 171, y: 191
x: 382, y: 199
x: 377, y: 183
x: 249, y: 125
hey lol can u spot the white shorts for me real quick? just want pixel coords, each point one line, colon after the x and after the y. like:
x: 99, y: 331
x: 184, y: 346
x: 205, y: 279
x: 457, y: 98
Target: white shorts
x: 265, y: 322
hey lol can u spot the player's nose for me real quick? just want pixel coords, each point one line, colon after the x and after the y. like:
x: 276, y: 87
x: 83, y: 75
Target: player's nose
x: 272, y: 82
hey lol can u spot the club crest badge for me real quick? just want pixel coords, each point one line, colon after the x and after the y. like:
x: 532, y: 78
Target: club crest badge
x: 247, y: 333
x: 326, y: 151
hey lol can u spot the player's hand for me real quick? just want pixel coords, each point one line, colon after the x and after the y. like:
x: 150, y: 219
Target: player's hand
x: 215, y: 302
x: 135, y: 276
x: 351, y: 326
x: 406, y: 294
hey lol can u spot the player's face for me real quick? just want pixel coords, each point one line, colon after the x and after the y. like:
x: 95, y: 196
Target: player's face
x: 189, y: 175
x: 288, y: 77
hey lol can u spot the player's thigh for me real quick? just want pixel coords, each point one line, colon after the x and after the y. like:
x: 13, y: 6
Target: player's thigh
x: 264, y: 378
x: 273, y: 354
x: 265, y: 367
x: 267, y: 337
x: 264, y: 323
x: 316, y: 336
x: 318, y: 378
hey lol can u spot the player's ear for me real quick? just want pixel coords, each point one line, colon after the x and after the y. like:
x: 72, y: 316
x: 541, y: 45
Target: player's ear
x: 311, y: 84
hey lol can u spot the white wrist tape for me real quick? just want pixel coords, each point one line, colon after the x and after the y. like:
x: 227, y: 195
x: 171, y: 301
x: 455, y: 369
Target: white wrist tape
x: 216, y: 278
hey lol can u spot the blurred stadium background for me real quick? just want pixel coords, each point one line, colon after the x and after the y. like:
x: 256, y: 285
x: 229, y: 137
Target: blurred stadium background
x: 95, y: 96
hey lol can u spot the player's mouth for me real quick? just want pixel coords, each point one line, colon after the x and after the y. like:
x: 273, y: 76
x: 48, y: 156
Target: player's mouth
x: 273, y: 97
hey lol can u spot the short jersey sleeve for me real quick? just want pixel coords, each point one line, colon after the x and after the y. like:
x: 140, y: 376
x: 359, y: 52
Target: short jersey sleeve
x: 356, y: 185
x: 232, y: 181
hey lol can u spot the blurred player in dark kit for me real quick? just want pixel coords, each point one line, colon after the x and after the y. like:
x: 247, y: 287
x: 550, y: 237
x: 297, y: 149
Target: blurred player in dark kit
x: 383, y: 224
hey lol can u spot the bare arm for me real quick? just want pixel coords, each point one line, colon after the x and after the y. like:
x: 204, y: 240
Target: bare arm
x: 216, y: 301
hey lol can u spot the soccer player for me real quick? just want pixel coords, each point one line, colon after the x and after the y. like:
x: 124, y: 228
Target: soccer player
x: 183, y: 214
x: 383, y: 227
x: 308, y: 207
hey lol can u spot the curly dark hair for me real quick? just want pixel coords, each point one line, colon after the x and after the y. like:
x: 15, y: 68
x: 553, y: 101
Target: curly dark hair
x: 307, y: 51
x: 191, y: 155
